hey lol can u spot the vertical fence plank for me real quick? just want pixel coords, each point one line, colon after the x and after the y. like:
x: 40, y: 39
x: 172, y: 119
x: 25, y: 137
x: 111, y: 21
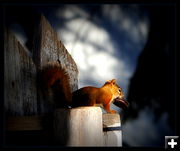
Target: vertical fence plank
x: 49, y: 49
x: 20, y: 92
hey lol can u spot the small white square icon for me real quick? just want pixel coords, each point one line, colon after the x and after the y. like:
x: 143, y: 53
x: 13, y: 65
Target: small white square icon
x: 171, y: 141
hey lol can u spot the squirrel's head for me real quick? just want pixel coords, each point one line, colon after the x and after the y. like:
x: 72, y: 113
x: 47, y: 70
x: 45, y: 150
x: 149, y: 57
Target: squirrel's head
x: 117, y: 92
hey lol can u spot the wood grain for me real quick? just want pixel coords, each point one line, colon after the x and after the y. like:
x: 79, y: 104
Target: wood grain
x: 24, y: 123
x: 20, y: 93
x: 48, y: 49
x: 111, y: 120
x: 112, y: 138
x: 79, y: 126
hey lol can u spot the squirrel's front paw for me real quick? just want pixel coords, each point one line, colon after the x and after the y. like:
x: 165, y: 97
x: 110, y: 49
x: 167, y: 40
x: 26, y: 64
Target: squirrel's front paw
x: 113, y: 111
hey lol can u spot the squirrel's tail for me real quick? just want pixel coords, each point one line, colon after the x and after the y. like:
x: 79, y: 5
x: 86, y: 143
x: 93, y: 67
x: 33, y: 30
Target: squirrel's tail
x: 55, y: 78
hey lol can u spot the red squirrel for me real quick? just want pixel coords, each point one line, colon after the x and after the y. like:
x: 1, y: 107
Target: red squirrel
x: 57, y: 79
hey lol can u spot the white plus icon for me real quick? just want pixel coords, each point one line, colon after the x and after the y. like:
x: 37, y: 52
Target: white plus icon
x: 172, y: 143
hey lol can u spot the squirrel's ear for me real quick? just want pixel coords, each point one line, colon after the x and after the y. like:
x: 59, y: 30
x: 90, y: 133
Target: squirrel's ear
x: 108, y: 81
x: 113, y: 81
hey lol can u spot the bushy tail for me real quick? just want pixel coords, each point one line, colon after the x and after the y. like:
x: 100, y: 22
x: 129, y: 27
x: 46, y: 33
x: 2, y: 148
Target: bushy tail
x: 56, y: 78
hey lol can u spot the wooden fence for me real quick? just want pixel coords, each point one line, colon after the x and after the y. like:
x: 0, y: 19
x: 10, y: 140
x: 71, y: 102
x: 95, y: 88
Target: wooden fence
x: 27, y: 111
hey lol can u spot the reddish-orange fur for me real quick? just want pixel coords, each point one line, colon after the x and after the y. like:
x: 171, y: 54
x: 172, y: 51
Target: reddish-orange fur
x: 92, y: 96
x: 56, y: 78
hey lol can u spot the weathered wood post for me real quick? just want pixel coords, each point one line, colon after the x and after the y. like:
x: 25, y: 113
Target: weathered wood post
x: 24, y: 104
x: 20, y: 93
x: 112, y: 133
x: 80, y: 126
x: 49, y: 49
x: 87, y: 126
x: 26, y: 108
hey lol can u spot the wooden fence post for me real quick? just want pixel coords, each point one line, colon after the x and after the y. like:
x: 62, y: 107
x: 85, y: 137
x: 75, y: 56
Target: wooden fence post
x: 49, y: 49
x: 20, y: 91
x: 22, y: 94
x: 83, y: 126
x: 80, y: 126
x: 87, y: 126
x: 112, y: 133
